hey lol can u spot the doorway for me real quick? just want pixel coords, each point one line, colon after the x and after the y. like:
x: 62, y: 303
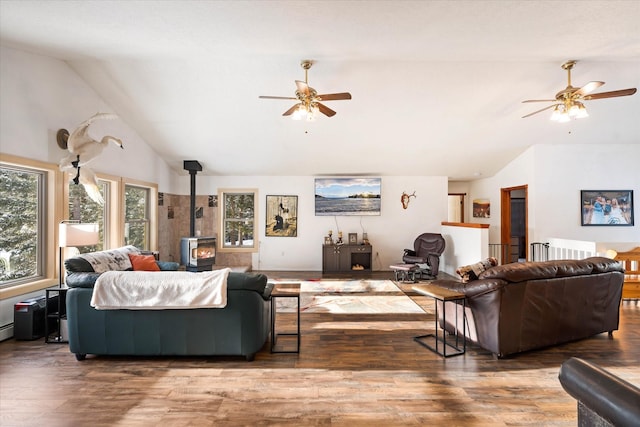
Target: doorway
x: 513, y: 222
x: 456, y: 207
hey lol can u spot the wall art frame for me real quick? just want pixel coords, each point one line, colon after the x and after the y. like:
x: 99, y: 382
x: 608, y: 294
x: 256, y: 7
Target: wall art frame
x: 606, y: 208
x: 281, y: 216
x: 348, y: 196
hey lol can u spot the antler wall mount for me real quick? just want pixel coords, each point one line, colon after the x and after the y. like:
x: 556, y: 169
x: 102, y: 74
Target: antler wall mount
x: 405, y: 198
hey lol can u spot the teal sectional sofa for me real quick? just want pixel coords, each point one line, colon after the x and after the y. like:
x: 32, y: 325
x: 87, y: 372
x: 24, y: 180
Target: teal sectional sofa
x: 241, y: 328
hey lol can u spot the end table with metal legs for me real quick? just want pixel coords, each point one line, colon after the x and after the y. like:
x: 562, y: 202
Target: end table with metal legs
x: 285, y: 290
x: 433, y: 341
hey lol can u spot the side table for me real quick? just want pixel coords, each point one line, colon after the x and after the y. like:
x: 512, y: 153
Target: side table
x: 285, y: 290
x: 434, y: 342
x: 59, y: 313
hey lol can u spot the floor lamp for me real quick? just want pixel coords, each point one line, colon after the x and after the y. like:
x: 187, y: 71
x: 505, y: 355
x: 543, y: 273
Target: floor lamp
x: 74, y: 233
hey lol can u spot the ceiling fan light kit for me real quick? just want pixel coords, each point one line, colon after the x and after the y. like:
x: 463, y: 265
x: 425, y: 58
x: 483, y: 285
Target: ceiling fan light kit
x: 309, y: 105
x: 568, y: 102
x: 562, y: 114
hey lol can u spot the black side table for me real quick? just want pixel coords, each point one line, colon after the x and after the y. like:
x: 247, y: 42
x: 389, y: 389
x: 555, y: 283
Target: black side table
x: 434, y: 342
x: 57, y: 310
x: 285, y: 290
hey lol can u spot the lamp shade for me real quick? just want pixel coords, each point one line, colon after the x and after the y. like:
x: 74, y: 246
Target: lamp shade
x: 77, y: 234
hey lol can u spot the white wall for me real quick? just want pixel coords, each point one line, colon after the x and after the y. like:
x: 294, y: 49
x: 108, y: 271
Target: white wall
x: 389, y: 233
x: 519, y: 172
x: 41, y: 95
x: 555, y: 174
x: 464, y: 246
x: 563, y: 170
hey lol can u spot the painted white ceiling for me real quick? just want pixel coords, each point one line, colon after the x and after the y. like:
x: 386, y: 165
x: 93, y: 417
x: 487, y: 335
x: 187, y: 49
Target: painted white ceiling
x: 437, y: 85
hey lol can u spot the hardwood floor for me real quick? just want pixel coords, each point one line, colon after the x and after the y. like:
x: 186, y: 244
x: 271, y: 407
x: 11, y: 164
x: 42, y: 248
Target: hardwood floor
x: 352, y: 370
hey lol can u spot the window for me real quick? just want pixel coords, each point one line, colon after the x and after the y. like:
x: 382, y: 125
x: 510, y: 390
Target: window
x: 83, y: 209
x: 28, y: 208
x: 136, y: 222
x: 21, y: 240
x: 238, y: 220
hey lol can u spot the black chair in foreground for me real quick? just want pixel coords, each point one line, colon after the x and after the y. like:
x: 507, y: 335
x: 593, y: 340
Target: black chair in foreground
x: 603, y: 398
x: 426, y: 252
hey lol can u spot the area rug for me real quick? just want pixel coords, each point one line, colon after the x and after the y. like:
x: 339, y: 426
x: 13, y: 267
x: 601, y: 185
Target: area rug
x: 351, y: 297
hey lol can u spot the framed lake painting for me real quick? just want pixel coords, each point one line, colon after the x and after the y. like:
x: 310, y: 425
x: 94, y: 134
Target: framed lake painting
x: 347, y: 196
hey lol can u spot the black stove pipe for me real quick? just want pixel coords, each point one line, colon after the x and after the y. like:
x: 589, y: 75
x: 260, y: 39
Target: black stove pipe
x: 193, y: 166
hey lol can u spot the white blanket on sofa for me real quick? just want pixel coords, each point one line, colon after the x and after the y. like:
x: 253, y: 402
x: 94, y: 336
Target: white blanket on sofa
x: 144, y: 290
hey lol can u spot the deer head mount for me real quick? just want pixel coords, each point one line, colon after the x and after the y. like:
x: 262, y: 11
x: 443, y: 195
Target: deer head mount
x: 404, y: 199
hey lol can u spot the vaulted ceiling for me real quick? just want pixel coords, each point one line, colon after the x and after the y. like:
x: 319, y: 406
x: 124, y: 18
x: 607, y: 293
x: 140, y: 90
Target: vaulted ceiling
x: 437, y: 85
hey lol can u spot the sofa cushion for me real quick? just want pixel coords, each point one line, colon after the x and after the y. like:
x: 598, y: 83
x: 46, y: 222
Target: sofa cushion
x: 82, y: 279
x: 77, y: 265
x: 573, y: 268
x: 248, y: 281
x: 143, y: 262
x: 168, y: 265
x: 521, y: 271
x: 605, y: 265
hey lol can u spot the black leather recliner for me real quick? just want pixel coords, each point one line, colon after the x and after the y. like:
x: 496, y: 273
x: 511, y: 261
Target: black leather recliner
x: 426, y: 252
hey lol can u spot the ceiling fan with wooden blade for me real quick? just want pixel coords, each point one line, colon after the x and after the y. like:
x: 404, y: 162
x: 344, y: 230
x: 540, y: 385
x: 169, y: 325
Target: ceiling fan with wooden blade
x: 568, y: 102
x: 309, y: 99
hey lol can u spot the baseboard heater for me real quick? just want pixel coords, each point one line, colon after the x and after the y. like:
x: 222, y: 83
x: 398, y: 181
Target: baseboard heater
x: 6, y: 331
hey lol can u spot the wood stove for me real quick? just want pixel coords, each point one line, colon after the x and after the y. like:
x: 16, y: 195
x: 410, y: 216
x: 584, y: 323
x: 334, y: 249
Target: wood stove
x: 198, y: 253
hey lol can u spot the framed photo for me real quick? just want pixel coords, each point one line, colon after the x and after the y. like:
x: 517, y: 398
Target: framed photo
x: 353, y: 238
x: 281, y: 216
x: 607, y: 207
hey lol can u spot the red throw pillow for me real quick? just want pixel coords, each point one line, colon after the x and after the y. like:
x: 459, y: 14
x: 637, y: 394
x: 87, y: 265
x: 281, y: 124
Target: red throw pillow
x: 143, y: 263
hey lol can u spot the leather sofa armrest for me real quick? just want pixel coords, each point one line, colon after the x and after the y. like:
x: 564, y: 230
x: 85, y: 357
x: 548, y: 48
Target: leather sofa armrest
x: 409, y: 252
x: 473, y: 288
x: 610, y: 397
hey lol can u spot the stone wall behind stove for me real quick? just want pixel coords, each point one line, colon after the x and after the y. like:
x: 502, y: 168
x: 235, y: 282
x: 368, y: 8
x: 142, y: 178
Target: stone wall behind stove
x: 173, y: 225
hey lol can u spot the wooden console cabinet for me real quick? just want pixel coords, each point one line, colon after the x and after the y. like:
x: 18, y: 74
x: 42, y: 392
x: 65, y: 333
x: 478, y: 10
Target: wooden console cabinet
x: 344, y: 258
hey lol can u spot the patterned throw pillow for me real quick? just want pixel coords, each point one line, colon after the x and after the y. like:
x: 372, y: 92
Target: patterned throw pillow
x: 111, y: 260
x: 471, y: 272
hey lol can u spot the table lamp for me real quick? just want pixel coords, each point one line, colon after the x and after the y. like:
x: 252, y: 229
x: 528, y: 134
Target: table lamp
x: 74, y: 233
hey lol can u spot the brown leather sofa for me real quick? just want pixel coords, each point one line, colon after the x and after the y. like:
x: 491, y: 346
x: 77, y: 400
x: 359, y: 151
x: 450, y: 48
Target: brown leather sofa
x: 518, y: 307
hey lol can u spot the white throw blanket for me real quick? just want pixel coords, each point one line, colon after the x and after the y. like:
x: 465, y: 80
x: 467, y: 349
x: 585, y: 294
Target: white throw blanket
x: 144, y: 290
